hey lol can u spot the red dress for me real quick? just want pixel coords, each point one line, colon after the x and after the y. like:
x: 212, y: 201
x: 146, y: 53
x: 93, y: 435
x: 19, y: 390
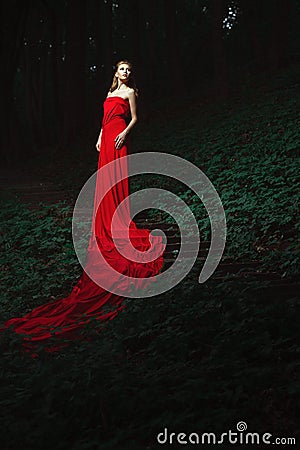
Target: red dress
x: 64, y: 317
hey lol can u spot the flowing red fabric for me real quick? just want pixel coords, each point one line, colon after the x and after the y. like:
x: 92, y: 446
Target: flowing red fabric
x: 65, y: 316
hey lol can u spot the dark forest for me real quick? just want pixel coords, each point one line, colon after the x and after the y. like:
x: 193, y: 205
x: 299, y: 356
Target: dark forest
x: 58, y: 58
x: 208, y: 364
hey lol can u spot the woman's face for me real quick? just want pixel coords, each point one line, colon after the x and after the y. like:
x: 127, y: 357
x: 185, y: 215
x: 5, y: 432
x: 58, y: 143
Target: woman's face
x: 123, y: 72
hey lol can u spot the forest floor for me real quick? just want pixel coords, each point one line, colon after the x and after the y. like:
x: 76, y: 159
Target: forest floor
x: 200, y: 357
x: 29, y: 188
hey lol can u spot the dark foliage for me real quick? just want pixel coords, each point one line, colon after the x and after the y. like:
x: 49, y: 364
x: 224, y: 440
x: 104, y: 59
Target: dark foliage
x: 199, y: 358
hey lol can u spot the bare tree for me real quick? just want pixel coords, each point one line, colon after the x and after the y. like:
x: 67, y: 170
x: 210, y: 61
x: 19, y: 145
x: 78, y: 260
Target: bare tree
x: 74, y: 117
x: 14, y: 16
x: 218, y: 48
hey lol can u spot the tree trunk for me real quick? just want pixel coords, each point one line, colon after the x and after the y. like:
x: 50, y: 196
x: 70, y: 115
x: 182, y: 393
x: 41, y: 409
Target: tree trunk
x: 175, y: 77
x: 278, y: 38
x: 150, y: 64
x: 135, y: 25
x: 256, y: 26
x: 12, y: 32
x: 56, y: 24
x: 107, y: 39
x: 74, y: 117
x: 218, y: 49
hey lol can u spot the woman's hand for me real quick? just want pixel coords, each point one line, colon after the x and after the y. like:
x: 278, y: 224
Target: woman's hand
x: 120, y: 139
x: 98, y: 145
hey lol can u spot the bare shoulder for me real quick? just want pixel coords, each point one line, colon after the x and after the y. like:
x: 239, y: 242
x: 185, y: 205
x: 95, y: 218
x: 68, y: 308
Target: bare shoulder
x: 131, y: 94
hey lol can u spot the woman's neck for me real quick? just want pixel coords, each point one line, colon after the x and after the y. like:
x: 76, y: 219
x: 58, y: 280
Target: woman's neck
x: 119, y: 88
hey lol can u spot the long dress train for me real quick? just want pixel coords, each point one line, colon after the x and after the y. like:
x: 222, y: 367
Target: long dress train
x: 65, y: 316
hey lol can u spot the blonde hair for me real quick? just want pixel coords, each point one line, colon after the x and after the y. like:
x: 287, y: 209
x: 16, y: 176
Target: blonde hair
x: 131, y: 80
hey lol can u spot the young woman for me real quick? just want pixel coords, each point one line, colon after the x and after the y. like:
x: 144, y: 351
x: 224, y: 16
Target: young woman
x: 88, y: 299
x: 123, y: 86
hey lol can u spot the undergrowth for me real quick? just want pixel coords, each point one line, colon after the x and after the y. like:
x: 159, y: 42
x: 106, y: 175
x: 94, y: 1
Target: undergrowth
x: 198, y: 358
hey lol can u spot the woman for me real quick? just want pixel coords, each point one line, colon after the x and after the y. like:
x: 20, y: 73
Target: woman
x: 65, y: 317
x: 124, y: 86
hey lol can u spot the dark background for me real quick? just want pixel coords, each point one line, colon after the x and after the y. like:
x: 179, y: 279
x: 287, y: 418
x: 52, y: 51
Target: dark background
x: 219, y: 85
x: 58, y: 59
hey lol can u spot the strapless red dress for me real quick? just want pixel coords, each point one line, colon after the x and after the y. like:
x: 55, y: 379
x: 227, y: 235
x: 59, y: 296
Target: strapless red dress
x: 65, y: 316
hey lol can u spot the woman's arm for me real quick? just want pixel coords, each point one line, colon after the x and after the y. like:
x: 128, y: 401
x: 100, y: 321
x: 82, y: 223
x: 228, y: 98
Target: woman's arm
x: 132, y: 104
x: 98, y: 145
x: 122, y: 136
